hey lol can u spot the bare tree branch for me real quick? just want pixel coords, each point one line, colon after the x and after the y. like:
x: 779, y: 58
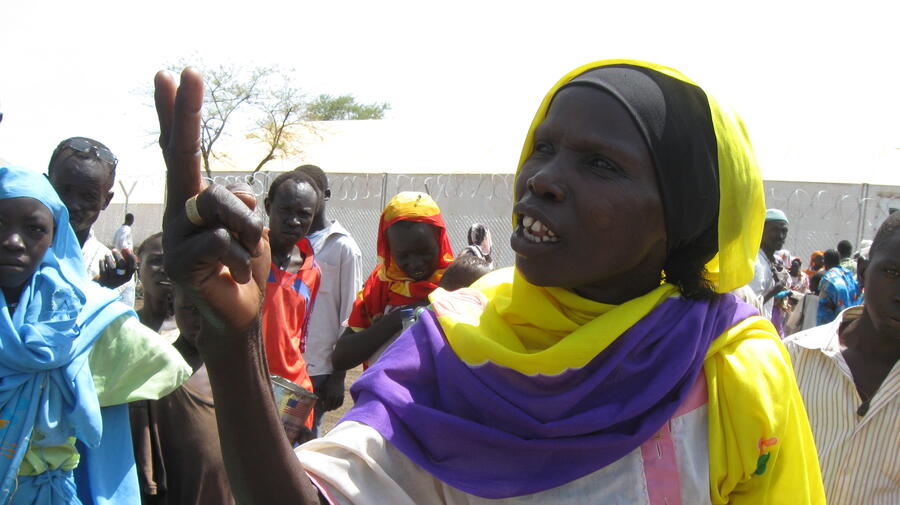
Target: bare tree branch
x: 284, y: 114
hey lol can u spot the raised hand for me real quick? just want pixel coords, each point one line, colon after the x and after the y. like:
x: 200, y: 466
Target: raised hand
x: 117, y: 268
x: 223, y: 261
x: 216, y: 251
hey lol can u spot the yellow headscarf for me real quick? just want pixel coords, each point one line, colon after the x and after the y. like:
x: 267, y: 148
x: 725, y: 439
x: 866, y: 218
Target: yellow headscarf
x: 742, y: 204
x: 761, y: 446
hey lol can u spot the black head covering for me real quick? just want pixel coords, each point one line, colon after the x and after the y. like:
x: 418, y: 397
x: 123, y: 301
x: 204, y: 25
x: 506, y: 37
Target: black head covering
x: 674, y: 118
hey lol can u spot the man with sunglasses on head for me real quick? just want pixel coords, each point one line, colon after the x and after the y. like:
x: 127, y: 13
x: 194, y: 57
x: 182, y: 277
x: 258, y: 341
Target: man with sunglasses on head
x: 83, y: 171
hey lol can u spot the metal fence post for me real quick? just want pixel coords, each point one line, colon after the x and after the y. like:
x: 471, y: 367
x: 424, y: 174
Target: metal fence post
x: 384, y: 178
x: 864, y: 204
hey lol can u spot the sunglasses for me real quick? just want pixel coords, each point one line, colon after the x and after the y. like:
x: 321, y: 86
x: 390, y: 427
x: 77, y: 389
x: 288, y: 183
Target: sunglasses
x: 86, y: 147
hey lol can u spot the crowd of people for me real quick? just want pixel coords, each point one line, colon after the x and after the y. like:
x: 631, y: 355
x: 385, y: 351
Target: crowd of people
x: 653, y: 344
x: 794, y: 299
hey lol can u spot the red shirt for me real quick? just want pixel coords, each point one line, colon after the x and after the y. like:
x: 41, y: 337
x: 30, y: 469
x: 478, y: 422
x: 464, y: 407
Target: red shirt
x: 285, y: 316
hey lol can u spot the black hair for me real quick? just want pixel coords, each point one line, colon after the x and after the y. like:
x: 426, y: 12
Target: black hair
x: 686, y: 269
x: 464, y: 270
x: 146, y: 243
x: 884, y: 233
x: 832, y: 258
x: 815, y: 280
x: 317, y: 174
x: 297, y: 176
x: 129, y: 217
x: 62, y: 146
x: 845, y: 248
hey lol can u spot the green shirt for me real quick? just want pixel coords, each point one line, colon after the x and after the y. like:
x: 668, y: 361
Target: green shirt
x: 129, y: 362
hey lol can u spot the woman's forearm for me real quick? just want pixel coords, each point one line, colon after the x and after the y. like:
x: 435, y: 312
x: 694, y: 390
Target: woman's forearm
x: 355, y: 347
x: 260, y: 463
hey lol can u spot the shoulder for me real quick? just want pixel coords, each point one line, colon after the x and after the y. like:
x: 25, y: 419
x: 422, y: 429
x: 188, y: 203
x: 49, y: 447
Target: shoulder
x: 814, y: 338
x: 809, y: 342
x: 752, y: 359
x: 132, y: 362
x: 341, y: 238
x: 129, y: 335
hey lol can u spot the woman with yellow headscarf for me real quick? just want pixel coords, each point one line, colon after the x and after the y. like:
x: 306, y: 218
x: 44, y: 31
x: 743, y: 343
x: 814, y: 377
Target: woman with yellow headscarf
x: 609, y: 365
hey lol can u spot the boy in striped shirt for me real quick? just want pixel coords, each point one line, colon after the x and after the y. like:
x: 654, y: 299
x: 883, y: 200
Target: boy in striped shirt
x: 849, y: 376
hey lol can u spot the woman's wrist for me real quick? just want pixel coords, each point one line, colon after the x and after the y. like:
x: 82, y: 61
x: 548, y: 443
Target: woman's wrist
x: 215, y: 345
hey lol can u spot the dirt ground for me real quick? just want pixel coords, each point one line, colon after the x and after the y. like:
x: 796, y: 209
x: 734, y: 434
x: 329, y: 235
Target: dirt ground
x: 331, y: 418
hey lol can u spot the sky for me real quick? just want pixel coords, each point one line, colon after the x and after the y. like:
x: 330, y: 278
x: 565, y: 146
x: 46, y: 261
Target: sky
x: 816, y: 82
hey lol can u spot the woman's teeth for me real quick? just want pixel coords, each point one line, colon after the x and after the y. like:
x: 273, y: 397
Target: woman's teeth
x: 535, y: 231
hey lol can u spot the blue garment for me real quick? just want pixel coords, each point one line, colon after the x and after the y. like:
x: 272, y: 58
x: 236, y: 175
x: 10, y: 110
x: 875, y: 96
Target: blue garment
x: 107, y: 474
x: 46, y: 387
x: 838, y: 290
x: 51, y: 487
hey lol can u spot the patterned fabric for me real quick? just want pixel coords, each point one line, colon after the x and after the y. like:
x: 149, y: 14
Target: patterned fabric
x: 859, y: 456
x: 800, y: 283
x: 285, y: 317
x: 838, y: 290
x: 388, y: 285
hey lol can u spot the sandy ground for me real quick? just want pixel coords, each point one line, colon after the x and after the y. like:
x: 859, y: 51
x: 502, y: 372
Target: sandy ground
x: 331, y: 418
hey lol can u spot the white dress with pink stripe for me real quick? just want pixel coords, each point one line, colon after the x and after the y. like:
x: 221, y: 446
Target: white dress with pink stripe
x: 353, y: 464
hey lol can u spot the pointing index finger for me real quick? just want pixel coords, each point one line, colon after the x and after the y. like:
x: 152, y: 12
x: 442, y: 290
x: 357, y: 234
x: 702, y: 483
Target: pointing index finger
x: 179, y: 118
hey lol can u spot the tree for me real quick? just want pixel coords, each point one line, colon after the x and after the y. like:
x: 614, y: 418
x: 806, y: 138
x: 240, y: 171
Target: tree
x: 228, y: 88
x: 283, y: 112
x: 268, y: 99
x: 330, y: 108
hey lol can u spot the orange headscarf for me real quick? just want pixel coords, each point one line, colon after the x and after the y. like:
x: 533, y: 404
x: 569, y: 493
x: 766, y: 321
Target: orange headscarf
x: 388, y: 284
x: 812, y: 259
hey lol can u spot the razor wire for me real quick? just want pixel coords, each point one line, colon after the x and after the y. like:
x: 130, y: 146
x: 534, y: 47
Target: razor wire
x: 820, y: 214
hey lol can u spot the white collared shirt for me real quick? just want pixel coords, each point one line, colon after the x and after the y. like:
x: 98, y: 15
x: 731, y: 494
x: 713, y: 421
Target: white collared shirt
x: 762, y: 282
x: 340, y: 261
x: 123, y: 238
x: 859, y: 455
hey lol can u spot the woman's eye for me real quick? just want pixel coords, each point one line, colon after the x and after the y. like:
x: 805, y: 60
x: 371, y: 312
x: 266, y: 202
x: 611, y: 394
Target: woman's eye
x: 600, y: 163
x: 37, y: 229
x: 892, y: 272
x: 543, y: 147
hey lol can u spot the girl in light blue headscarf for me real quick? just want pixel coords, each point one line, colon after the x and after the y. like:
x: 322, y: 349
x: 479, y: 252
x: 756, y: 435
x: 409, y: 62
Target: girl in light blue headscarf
x: 67, y: 348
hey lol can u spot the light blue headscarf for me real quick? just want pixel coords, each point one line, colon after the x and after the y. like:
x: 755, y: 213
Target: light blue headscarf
x: 45, y: 382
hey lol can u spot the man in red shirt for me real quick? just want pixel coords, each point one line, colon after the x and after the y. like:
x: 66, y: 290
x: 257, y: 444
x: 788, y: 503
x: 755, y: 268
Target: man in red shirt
x: 291, y: 204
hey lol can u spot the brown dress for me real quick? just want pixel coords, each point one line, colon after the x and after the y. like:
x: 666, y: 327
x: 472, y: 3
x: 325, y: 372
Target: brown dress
x: 177, y: 448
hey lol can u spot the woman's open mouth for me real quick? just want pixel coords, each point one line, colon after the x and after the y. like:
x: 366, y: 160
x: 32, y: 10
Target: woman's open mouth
x: 535, y: 231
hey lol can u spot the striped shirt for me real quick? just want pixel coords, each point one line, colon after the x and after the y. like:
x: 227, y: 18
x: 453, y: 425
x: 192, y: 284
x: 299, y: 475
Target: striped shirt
x: 859, y: 455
